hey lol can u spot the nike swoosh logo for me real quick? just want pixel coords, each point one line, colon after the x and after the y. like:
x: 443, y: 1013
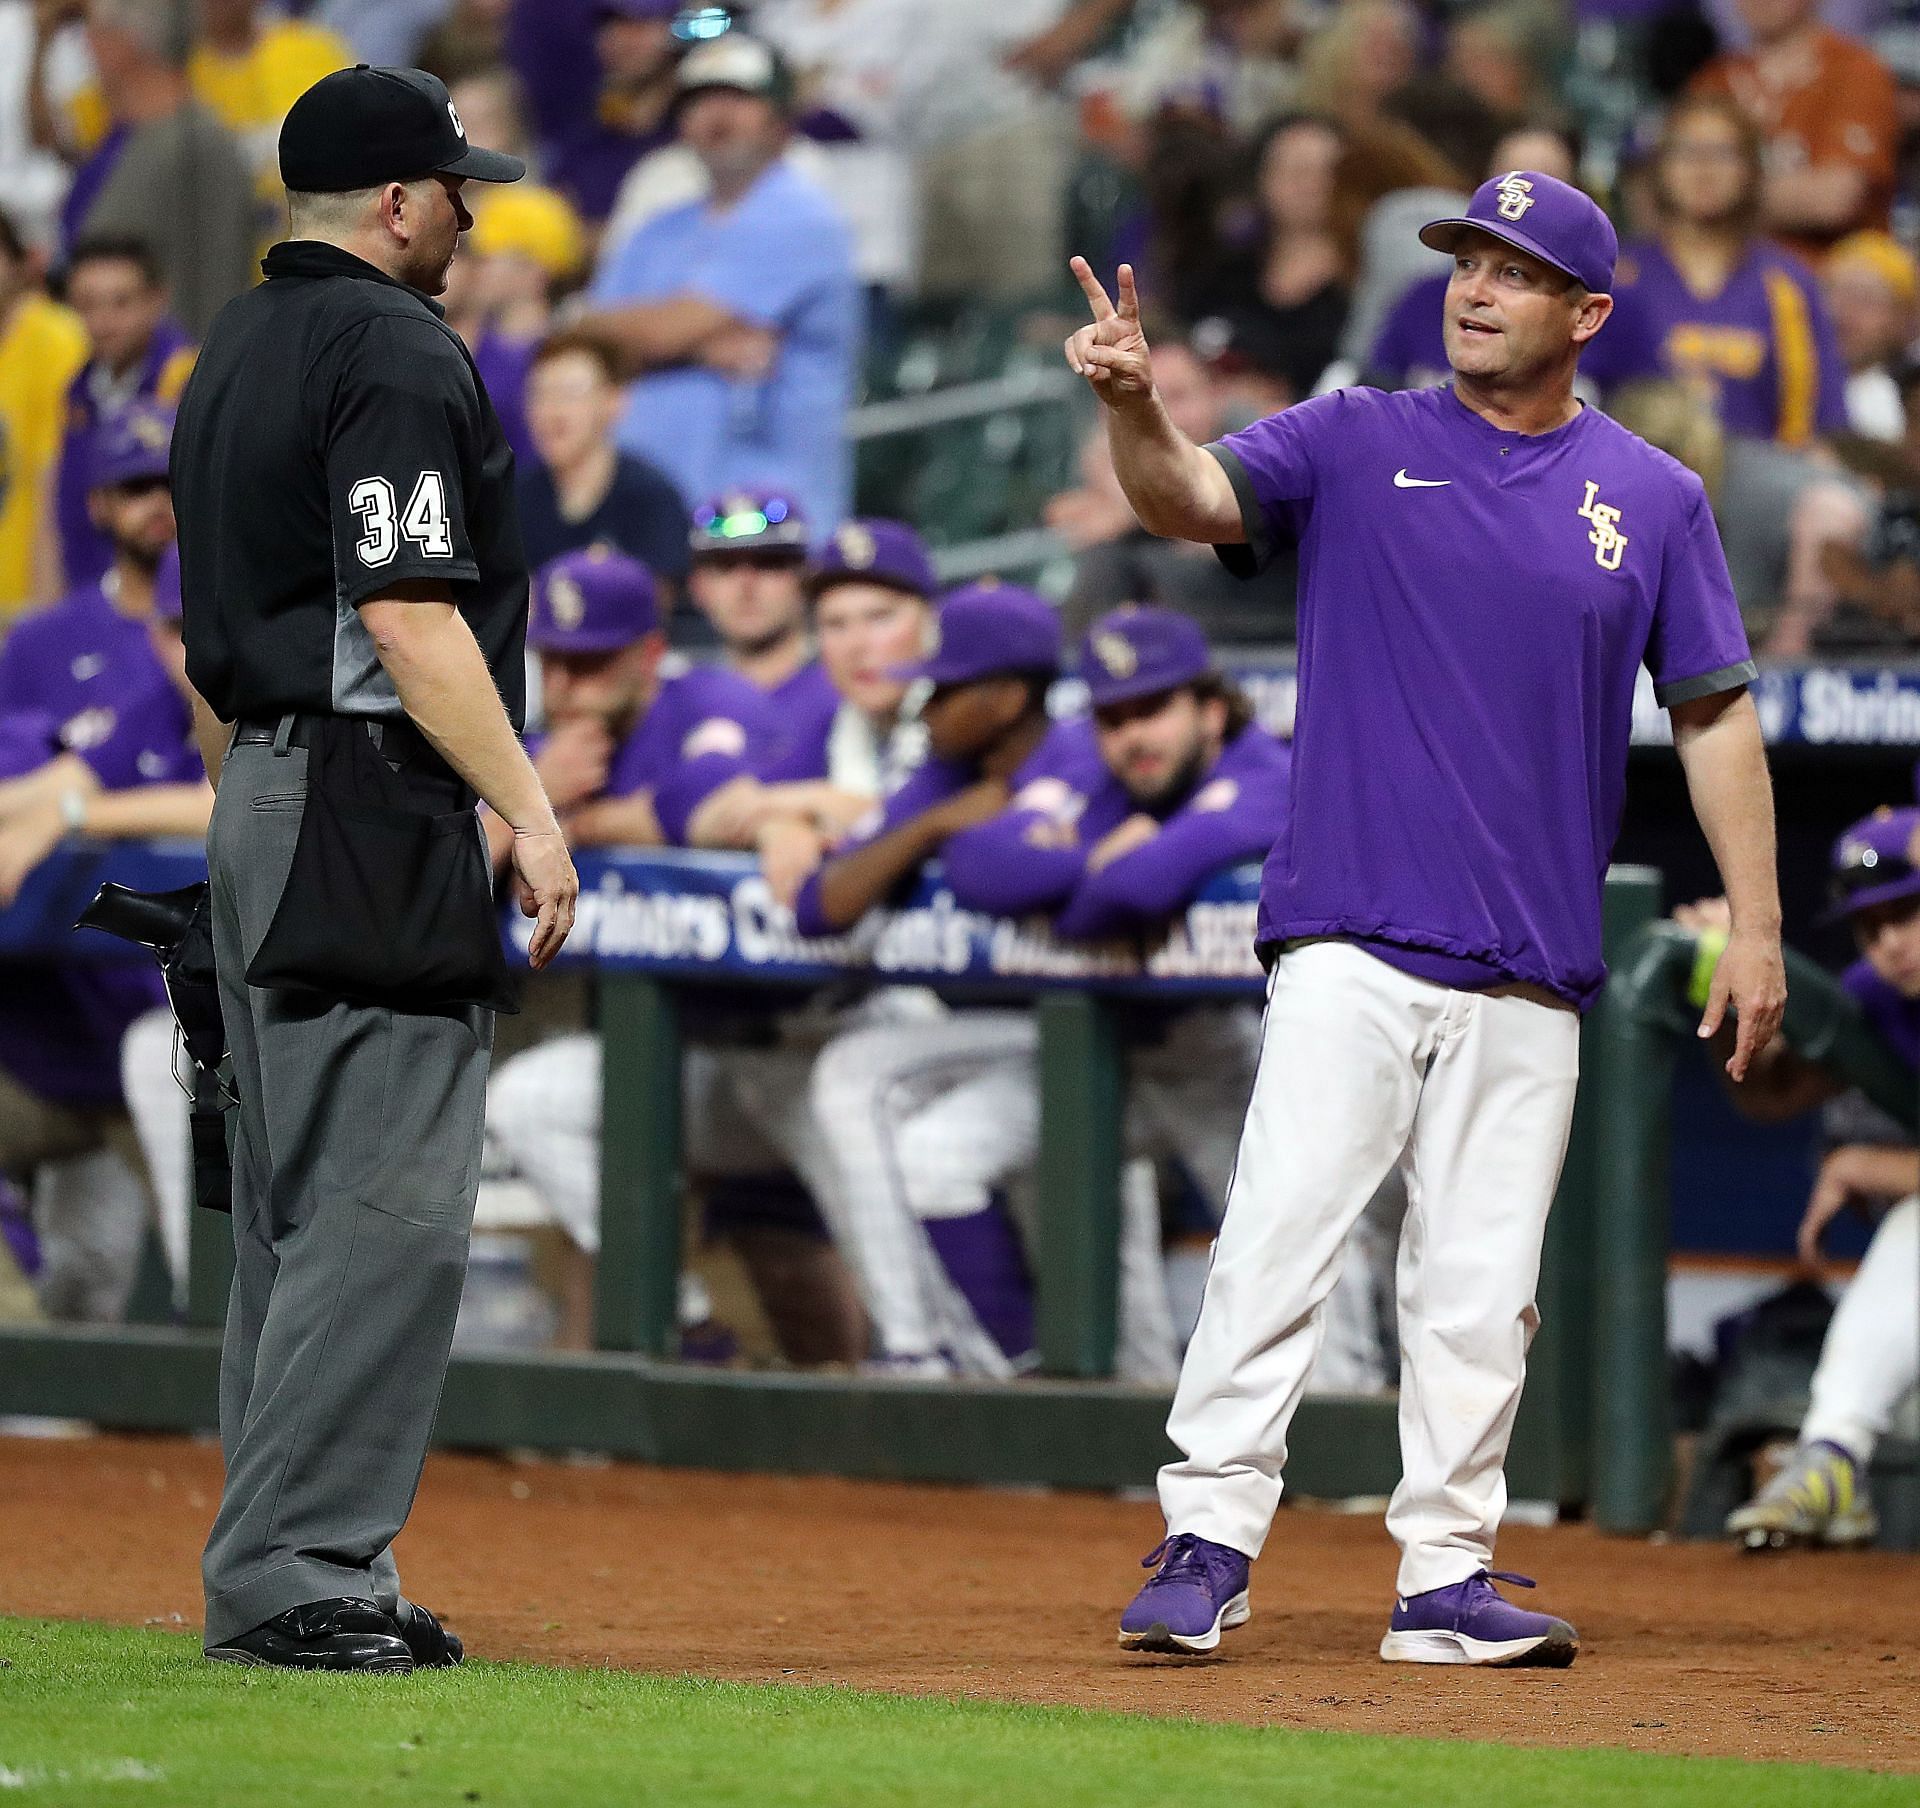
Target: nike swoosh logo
x: 1401, y: 481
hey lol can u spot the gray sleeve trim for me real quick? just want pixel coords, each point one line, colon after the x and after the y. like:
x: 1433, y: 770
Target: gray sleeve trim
x: 1248, y: 560
x: 1708, y: 684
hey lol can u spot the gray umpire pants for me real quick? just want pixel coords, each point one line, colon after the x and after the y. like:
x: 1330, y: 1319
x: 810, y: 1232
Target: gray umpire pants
x: 354, y: 1173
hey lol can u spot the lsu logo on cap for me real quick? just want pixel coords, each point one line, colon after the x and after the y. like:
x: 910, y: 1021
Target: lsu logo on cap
x: 1117, y: 653
x: 856, y: 546
x: 1516, y: 196
x: 566, y: 603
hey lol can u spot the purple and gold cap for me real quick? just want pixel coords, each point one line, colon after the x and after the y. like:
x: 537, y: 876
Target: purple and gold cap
x: 752, y: 521
x: 1550, y: 219
x: 1873, y: 863
x: 988, y: 630
x: 1139, y: 652
x: 874, y: 552
x: 596, y: 600
x: 168, y: 604
x: 130, y: 446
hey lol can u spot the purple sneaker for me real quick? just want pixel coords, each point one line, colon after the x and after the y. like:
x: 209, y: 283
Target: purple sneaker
x: 1199, y: 1590
x: 1473, y: 1623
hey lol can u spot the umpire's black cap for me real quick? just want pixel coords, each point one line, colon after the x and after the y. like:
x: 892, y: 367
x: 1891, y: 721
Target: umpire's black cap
x: 363, y: 126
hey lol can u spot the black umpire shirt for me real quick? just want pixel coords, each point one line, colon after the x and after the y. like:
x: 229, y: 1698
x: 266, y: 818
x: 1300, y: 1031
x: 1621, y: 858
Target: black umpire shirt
x: 334, y: 440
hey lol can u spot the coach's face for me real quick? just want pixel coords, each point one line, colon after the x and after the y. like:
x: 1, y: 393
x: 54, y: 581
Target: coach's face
x: 1510, y: 318
x: 1158, y: 746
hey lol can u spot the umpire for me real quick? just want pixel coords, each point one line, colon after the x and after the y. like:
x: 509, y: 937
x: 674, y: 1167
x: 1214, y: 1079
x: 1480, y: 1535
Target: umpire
x: 356, y: 602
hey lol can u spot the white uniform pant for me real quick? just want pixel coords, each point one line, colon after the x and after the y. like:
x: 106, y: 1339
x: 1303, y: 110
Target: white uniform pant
x: 1361, y: 1066
x: 926, y: 1121
x: 162, y: 1119
x: 1871, y: 1356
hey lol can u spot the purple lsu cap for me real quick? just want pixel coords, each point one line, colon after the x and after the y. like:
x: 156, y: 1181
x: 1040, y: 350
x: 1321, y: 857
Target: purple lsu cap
x: 752, y: 521
x: 130, y: 446
x: 874, y: 552
x: 592, y: 601
x: 1542, y: 215
x: 1138, y: 652
x: 1873, y: 863
x: 988, y: 630
x: 168, y: 604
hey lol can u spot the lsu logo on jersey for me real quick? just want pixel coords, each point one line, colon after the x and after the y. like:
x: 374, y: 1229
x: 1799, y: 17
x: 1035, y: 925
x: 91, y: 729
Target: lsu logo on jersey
x: 717, y: 734
x: 1607, y: 540
x: 1516, y: 196
x: 90, y: 728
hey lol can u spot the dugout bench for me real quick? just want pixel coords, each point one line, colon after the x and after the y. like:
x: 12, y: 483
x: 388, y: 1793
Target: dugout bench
x: 657, y: 926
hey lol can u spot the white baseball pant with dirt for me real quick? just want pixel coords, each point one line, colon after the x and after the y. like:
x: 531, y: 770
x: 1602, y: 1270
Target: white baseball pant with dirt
x: 1871, y: 1357
x: 1362, y: 1066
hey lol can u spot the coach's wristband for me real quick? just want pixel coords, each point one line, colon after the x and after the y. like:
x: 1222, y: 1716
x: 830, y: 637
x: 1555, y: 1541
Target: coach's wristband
x: 1706, y: 957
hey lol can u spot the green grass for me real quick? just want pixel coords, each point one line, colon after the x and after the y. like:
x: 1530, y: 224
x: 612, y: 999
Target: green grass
x: 95, y: 1715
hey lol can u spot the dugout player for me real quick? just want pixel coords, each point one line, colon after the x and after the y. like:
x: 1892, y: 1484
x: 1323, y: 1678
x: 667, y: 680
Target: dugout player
x: 1484, y: 568
x: 352, y: 571
x: 1870, y: 1357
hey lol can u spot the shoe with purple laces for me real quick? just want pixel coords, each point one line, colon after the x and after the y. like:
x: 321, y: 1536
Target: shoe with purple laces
x: 1473, y: 1623
x: 1199, y: 1590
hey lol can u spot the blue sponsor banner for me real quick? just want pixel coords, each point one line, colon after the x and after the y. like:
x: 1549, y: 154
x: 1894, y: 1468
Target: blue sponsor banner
x: 712, y: 916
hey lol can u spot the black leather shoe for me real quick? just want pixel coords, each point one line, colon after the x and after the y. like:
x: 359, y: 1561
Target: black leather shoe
x: 322, y: 1635
x: 434, y: 1646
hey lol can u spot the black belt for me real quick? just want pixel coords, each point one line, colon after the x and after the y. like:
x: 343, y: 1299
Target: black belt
x: 398, y: 739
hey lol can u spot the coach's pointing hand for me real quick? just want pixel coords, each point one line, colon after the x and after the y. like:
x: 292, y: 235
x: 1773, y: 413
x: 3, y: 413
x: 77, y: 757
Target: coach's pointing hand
x: 1112, y: 353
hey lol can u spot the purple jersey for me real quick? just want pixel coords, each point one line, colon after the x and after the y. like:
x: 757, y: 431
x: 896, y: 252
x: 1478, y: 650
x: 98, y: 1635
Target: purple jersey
x: 1054, y: 780
x: 704, y: 727
x: 160, y: 376
x: 1411, y: 351
x: 1891, y: 1012
x: 1762, y: 351
x: 94, y: 671
x: 1475, y: 606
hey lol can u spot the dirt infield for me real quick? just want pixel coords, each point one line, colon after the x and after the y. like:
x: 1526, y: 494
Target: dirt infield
x: 1014, y: 1596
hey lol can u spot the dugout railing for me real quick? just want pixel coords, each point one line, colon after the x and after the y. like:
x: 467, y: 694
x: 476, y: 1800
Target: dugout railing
x: 658, y: 928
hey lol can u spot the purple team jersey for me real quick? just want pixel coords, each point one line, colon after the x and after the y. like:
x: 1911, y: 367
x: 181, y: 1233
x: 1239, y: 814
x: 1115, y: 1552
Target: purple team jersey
x: 1762, y: 351
x: 1891, y: 1012
x: 94, y: 671
x: 1055, y: 778
x: 704, y: 727
x: 1023, y: 860
x: 1475, y: 606
x: 85, y: 552
x: 1411, y: 349
x: 84, y: 678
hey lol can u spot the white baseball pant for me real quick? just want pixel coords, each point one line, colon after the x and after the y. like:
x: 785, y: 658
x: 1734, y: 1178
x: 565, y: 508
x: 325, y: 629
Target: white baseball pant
x: 162, y: 1119
x: 1363, y: 1066
x: 1871, y: 1356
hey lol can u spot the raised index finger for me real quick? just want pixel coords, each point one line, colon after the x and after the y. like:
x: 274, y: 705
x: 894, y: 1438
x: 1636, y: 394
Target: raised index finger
x: 1091, y: 289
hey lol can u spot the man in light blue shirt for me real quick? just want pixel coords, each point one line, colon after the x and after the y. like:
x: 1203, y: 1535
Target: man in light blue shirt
x: 739, y: 315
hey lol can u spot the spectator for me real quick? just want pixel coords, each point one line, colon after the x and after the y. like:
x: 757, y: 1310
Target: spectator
x: 1825, y: 107
x: 1120, y: 562
x: 167, y: 170
x: 469, y: 35
x: 579, y: 489
x: 1871, y: 285
x: 748, y: 581
x: 739, y: 314
x: 32, y: 178
x: 137, y: 352
x: 1705, y: 299
x: 1226, y: 60
x: 1285, y: 300
x: 119, y: 760
x: 248, y: 70
x: 1365, y: 51
x: 42, y: 345
x: 386, y: 33
x: 1408, y: 353
x: 589, y: 159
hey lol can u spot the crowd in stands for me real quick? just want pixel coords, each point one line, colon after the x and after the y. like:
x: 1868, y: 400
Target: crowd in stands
x: 742, y: 220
